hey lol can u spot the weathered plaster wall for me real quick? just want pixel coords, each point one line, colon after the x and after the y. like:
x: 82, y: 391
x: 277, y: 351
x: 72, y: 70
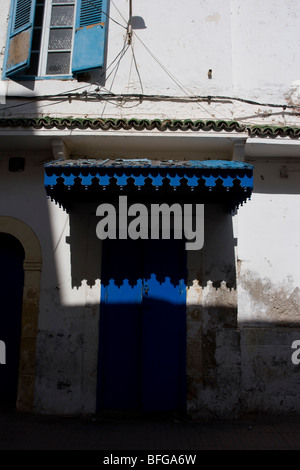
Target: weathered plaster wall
x: 240, y: 42
x: 268, y: 247
x: 244, y: 302
x: 269, y: 288
x: 67, y: 347
x: 265, y: 47
x: 243, y: 295
x: 67, y: 332
x: 213, y: 355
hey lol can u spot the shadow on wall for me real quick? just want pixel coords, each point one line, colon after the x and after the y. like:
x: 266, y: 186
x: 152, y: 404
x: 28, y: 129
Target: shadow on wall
x: 221, y: 369
x: 218, y: 264
x: 218, y: 253
x: 148, y: 341
x: 85, y: 246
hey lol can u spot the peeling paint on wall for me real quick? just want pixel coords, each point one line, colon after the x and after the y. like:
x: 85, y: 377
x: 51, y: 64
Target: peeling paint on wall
x: 293, y: 93
x: 18, y: 48
x: 270, y: 302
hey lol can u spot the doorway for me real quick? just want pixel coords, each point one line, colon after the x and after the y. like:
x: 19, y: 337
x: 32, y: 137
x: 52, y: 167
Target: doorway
x: 11, y: 287
x: 142, y: 342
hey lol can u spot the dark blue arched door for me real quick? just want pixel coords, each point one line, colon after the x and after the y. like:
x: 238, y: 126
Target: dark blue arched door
x: 11, y: 293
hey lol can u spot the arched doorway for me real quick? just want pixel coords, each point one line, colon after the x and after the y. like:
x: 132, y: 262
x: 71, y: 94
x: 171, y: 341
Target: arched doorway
x: 32, y: 266
x: 11, y: 293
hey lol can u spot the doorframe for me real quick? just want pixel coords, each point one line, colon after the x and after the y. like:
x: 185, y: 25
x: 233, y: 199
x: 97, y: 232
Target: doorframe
x: 99, y: 406
x: 30, y: 308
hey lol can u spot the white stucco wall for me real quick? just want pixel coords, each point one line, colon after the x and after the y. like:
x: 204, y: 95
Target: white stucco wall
x: 241, y: 42
x: 268, y: 245
x: 250, y: 284
x: 268, y: 288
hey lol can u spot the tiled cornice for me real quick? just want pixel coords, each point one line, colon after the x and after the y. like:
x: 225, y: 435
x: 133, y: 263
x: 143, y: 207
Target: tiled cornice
x: 150, y: 124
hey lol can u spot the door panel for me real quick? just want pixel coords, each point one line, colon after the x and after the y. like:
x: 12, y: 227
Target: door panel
x: 142, y: 325
x: 120, y: 325
x: 163, y: 337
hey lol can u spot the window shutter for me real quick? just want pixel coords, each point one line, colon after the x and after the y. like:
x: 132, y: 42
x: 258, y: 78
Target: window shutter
x: 89, y: 37
x: 20, y: 36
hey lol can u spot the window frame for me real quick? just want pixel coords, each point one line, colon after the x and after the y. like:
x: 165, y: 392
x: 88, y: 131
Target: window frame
x: 96, y: 31
x: 44, y: 48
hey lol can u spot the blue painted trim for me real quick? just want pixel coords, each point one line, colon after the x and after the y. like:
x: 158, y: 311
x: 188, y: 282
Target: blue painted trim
x: 210, y: 172
x: 53, y: 77
x: 69, y: 180
x: 9, y: 29
x: 89, y: 40
x: 24, y: 78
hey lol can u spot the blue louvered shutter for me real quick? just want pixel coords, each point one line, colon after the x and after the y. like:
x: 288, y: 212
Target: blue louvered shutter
x: 20, y: 36
x: 89, y: 37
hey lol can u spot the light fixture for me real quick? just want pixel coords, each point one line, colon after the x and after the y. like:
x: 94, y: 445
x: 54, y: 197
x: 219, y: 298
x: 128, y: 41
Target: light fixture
x: 16, y: 164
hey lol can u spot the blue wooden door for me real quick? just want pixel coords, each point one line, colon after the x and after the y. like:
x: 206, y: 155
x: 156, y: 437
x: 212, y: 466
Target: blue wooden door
x: 163, y: 326
x: 11, y: 292
x: 142, y: 326
x: 120, y: 326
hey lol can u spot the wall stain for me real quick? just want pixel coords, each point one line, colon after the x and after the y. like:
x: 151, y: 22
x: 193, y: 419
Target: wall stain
x: 276, y: 303
x: 215, y: 18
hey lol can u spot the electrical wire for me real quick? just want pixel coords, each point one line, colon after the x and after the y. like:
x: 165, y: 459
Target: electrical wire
x: 209, y: 98
x: 148, y: 97
x: 110, y: 97
x: 144, y: 97
x: 106, y: 14
x: 137, y: 70
x: 180, y: 86
x: 116, y: 67
x: 124, y: 19
x: 66, y: 94
x: 119, y: 56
